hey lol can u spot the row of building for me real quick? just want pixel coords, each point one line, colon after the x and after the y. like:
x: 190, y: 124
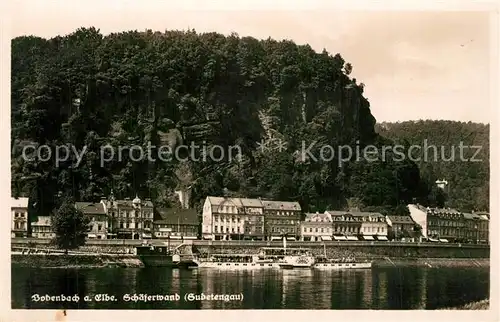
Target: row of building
x: 240, y: 218
x: 113, y: 219
x: 243, y: 218
x: 225, y: 218
x: 451, y: 224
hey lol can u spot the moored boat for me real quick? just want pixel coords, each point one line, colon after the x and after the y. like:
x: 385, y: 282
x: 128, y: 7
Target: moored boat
x: 297, y: 258
x: 235, y: 261
x: 162, y: 256
x: 325, y: 263
x: 337, y: 264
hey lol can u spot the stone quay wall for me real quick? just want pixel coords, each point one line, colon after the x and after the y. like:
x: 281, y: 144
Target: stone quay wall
x: 334, y: 249
x: 367, y: 250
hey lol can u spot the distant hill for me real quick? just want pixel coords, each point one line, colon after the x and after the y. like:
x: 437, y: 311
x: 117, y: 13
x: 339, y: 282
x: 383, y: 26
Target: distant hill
x: 468, y: 180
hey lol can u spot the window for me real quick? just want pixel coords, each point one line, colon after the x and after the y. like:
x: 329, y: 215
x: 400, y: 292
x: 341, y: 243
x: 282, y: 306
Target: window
x: 321, y: 229
x: 316, y: 229
x: 310, y: 230
x: 227, y: 229
x: 99, y: 227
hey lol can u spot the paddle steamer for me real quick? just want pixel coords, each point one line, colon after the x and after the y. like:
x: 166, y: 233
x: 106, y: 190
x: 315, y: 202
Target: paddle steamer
x: 278, y: 257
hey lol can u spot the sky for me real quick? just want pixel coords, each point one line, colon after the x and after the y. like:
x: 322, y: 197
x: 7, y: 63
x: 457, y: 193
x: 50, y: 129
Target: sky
x: 414, y: 64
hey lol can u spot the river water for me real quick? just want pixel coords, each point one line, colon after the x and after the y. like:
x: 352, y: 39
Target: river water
x: 376, y: 288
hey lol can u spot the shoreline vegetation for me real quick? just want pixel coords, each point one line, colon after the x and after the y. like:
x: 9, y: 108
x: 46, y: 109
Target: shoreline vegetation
x: 120, y: 260
x: 478, y: 305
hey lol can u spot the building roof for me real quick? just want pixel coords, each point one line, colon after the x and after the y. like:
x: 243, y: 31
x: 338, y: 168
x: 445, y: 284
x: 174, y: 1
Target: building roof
x: 445, y: 211
x: 317, y: 217
x: 400, y: 219
x: 19, y: 202
x: 130, y: 203
x: 254, y: 203
x: 281, y: 205
x: 475, y: 216
x: 42, y: 221
x: 238, y: 202
x: 217, y: 201
x: 353, y: 213
x: 246, y: 202
x: 177, y: 216
x: 90, y: 208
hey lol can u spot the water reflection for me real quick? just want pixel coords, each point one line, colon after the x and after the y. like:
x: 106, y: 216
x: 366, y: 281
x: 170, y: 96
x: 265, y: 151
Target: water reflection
x: 388, y: 288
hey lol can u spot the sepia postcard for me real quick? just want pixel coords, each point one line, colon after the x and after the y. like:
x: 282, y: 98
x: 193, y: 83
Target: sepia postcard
x: 317, y: 160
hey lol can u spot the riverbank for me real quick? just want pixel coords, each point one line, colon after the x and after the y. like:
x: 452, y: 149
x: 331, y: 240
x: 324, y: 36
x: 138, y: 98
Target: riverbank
x: 479, y: 305
x: 117, y: 260
x: 75, y: 261
x: 432, y: 262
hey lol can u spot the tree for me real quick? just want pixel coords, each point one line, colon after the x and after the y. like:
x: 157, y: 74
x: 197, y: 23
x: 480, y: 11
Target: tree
x: 417, y: 230
x: 70, y: 226
x: 406, y: 234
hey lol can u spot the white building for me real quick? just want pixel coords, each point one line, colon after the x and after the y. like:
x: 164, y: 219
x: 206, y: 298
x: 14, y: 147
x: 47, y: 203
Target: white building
x: 19, y: 217
x: 232, y: 218
x: 317, y: 227
x: 42, y: 228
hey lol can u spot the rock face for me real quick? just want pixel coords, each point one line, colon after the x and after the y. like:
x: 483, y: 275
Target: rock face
x: 177, y: 88
x: 171, y: 138
x: 202, y: 132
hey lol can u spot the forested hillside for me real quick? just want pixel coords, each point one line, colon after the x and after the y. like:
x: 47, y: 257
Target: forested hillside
x: 176, y: 87
x: 468, y: 177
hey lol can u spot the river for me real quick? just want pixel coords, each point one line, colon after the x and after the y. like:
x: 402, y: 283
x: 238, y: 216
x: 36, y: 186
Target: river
x: 378, y: 288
